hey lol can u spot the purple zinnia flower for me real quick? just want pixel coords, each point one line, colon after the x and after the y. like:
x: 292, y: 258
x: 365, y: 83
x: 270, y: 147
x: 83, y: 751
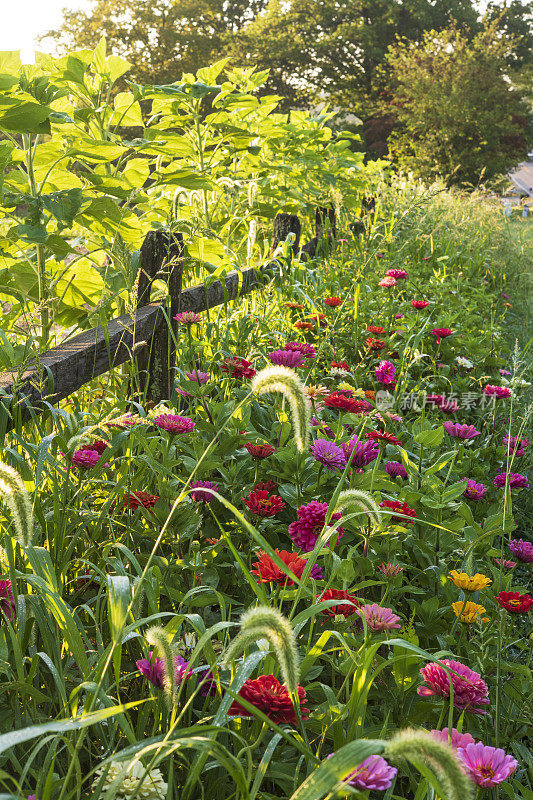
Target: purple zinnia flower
x: 7, y: 602
x: 201, y: 377
x: 379, y: 618
x: 328, y: 454
x: 459, y: 431
x: 153, y: 669
x: 172, y: 423
x: 181, y: 669
x: 385, y: 372
x: 305, y: 531
x: 504, y: 372
x: 323, y: 428
x: 516, y: 481
x: 516, y: 445
x: 198, y: 495
x: 469, y: 690
x: 208, y: 683
x: 395, y: 469
x: 307, y: 350
x: 372, y: 773
x: 287, y: 358
x: 365, y: 452
x: 522, y: 550
x: 457, y: 740
x: 473, y: 490
x: 85, y: 459
x: 486, y: 766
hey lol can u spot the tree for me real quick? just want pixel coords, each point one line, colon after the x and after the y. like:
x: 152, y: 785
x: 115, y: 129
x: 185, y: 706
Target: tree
x: 456, y: 113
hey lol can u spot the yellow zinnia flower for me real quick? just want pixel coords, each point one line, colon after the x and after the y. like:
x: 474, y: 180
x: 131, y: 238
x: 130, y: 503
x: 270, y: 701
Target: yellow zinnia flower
x: 468, y: 583
x: 470, y: 612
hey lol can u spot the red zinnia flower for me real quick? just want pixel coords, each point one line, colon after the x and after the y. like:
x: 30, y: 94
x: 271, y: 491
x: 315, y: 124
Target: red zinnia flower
x: 375, y: 344
x: 342, y: 609
x: 266, y: 486
x: 262, y: 504
x: 294, y: 306
x: 343, y: 403
x: 514, y: 602
x: 333, y: 302
x: 389, y: 438
x: 341, y: 365
x: 400, y: 508
x: 441, y: 333
x: 238, y: 367
x: 319, y: 319
x: 133, y: 500
x: 304, y: 326
x: 272, y: 698
x: 260, y: 451
x: 419, y: 304
x: 375, y: 329
x: 99, y: 445
x: 268, y: 571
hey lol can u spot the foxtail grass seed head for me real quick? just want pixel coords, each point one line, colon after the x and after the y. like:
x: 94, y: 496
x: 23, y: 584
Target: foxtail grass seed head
x: 362, y: 500
x: 13, y: 492
x: 279, y: 379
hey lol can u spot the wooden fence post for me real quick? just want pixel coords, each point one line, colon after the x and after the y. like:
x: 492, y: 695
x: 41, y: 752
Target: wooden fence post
x: 285, y: 224
x: 161, y: 257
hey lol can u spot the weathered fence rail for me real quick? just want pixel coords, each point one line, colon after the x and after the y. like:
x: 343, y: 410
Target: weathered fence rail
x: 146, y: 334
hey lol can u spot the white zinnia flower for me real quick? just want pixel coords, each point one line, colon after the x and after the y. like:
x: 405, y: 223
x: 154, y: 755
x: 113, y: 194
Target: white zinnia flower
x: 336, y: 372
x: 464, y: 362
x: 153, y: 786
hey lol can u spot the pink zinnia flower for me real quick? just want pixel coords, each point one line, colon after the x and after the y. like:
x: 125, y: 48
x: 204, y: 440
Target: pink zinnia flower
x: 399, y: 316
x: 387, y: 282
x: 372, y: 773
x: 172, y: 423
x: 200, y: 377
x: 486, y: 766
x: 399, y: 274
x: 473, y: 490
x: 441, y: 333
x: 395, y: 469
x: 459, y: 431
x: 505, y: 564
x: 516, y: 445
x: 470, y: 692
x: 328, y: 454
x: 153, y: 669
x: 419, y: 304
x: 522, y: 550
x: 458, y: 739
x: 516, y: 480
x: 287, y: 358
x: 198, y: 495
x: 85, y: 459
x: 504, y: 372
x: 305, y: 531
x: 307, y: 350
x: 187, y: 318
x: 7, y: 602
x: 379, y: 618
x: 385, y: 372
x: 496, y: 391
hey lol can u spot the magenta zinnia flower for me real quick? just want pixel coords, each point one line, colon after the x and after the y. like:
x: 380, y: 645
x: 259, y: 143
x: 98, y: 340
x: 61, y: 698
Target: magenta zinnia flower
x: 419, y: 304
x: 287, y: 358
x: 385, y: 372
x: 379, y: 618
x: 473, y: 490
x: 441, y: 333
x: 459, y: 431
x: 505, y: 564
x: 486, y: 766
x: 395, y: 469
x: 187, y: 318
x: 470, y: 692
x: 516, y: 445
x: 307, y: 350
x: 85, y: 459
x: 172, y: 423
x: 458, y: 739
x: 496, y: 391
x: 365, y: 452
x: 200, y: 377
x: 201, y: 496
x: 153, y: 669
x: 387, y: 282
x: 181, y: 669
x: 522, y: 550
x: 399, y: 274
x: 516, y: 480
x: 7, y: 602
x: 323, y: 428
x: 305, y: 531
x: 372, y: 773
x: 328, y: 454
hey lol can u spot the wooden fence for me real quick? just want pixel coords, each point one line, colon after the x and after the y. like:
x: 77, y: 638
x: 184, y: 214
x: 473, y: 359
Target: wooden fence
x: 145, y: 335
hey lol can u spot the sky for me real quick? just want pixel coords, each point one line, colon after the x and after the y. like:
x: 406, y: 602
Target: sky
x: 21, y: 21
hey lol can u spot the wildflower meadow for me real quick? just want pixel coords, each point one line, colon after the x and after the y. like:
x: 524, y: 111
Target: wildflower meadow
x: 306, y: 572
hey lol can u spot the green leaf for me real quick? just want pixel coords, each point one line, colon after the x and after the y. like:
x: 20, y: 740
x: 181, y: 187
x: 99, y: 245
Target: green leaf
x: 432, y: 438
x: 334, y: 770
x: 26, y: 117
x: 64, y: 205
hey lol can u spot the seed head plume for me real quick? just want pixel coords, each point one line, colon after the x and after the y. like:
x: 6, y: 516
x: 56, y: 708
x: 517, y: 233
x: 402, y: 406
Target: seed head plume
x: 286, y: 382
x: 157, y: 637
x: 268, y: 623
x: 363, y: 500
x: 13, y: 491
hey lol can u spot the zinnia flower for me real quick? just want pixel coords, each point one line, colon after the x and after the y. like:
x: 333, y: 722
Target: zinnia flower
x: 473, y: 490
x: 293, y: 306
x: 174, y: 424
x: 387, y: 282
x: 260, y: 451
x: 322, y: 427
x: 382, y: 436
x: 516, y: 445
x: 153, y: 787
x: 328, y: 454
x: 372, y: 773
x: 341, y: 609
x: 340, y: 365
x: 522, y: 550
x: 315, y: 393
x: 496, y: 391
x: 504, y: 563
x: 268, y: 486
x: 200, y: 496
x: 85, y: 459
x: 237, y: 367
x: 457, y: 739
x: 469, y: 583
x: 390, y: 569
x: 379, y: 618
x: 272, y: 698
x: 307, y: 350
x: 365, y: 452
x: 486, y: 766
x: 399, y: 274
x: 262, y: 504
x: 399, y: 508
x: 459, y: 431
x: 395, y: 469
x: 153, y: 669
x: 464, y: 362
x: 469, y: 612
x: 333, y: 302
x: 342, y: 403
x: 385, y: 372
x: 187, y: 318
x: 514, y: 602
x: 516, y: 480
x: 304, y: 326
x: 441, y: 333
x: 287, y: 358
x: 199, y: 377
x: 470, y: 692
x: 7, y: 602
x: 133, y: 500
x: 375, y: 344
x: 268, y: 571
x: 305, y: 531
x: 375, y: 329
x: 419, y: 304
